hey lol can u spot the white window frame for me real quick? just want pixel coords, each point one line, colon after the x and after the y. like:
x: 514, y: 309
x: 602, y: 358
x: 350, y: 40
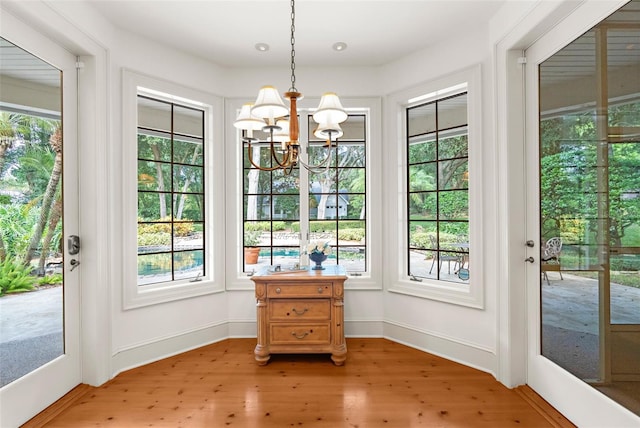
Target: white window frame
x: 470, y: 294
x: 369, y: 280
x: 135, y: 296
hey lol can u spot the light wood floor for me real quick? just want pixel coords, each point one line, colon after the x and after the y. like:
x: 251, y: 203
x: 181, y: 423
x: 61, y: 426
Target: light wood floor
x: 382, y: 384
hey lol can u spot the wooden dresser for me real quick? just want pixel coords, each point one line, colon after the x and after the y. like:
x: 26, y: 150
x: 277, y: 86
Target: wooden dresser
x: 301, y: 312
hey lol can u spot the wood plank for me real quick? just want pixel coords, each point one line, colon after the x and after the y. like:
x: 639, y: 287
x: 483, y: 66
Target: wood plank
x: 383, y: 384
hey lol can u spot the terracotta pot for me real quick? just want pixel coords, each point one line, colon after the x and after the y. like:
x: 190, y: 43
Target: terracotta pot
x: 251, y: 255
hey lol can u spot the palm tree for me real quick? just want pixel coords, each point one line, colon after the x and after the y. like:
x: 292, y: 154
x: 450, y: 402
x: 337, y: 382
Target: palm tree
x: 49, y: 195
x: 7, y: 136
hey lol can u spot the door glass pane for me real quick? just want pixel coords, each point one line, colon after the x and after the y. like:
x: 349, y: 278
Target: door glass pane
x: 590, y: 207
x: 31, y: 213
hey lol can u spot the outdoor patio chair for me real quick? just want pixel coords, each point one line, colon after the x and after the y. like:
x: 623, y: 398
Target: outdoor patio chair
x: 551, y: 257
x: 444, y: 257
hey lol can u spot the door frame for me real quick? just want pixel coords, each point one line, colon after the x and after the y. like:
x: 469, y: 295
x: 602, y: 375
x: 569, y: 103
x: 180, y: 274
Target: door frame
x: 26, y: 396
x: 97, y: 188
x: 577, y: 400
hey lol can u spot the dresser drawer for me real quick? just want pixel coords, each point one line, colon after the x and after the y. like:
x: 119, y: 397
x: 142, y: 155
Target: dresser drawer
x: 275, y: 290
x: 300, y: 333
x: 299, y: 309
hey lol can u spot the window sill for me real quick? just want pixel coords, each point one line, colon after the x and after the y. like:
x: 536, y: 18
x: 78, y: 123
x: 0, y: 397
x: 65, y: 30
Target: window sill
x: 458, y: 294
x: 161, y: 293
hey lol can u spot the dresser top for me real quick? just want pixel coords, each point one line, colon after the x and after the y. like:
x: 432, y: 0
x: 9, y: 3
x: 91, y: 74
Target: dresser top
x: 329, y: 272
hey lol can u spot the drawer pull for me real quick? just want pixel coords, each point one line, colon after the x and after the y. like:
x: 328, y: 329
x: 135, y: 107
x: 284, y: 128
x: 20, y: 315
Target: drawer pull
x: 297, y: 312
x: 319, y: 290
x: 301, y: 336
x: 278, y: 290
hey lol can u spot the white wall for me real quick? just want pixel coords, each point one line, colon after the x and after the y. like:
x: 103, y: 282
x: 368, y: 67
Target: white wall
x: 142, y: 334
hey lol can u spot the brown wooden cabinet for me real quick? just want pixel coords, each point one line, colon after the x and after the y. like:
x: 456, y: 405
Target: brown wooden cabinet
x: 301, y: 312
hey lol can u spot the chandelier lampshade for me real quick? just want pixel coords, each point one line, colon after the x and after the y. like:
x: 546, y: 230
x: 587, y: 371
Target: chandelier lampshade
x: 330, y: 110
x: 247, y: 121
x: 269, y: 105
x: 328, y: 131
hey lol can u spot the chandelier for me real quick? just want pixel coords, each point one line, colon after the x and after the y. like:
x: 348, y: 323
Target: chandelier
x: 270, y: 115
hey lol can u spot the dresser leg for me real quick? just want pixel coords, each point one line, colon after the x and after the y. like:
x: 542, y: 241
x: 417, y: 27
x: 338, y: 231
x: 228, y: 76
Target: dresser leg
x: 339, y: 356
x: 262, y: 355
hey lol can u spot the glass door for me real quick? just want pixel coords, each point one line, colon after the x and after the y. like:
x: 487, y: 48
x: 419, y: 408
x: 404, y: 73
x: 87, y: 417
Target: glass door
x: 586, y: 320
x: 39, y: 288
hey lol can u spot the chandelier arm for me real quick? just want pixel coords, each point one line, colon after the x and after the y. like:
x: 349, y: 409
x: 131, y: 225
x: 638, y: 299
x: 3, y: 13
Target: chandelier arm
x: 321, y: 167
x: 284, y: 163
x: 261, y: 168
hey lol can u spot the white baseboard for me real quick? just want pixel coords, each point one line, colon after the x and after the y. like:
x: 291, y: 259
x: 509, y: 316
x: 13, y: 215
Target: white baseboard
x: 465, y: 353
x: 145, y: 353
x: 468, y: 354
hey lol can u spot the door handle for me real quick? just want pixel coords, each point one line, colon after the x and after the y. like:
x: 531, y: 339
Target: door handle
x: 530, y: 259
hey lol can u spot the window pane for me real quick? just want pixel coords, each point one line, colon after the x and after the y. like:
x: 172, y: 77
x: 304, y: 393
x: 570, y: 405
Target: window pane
x: 188, y: 264
x: 422, y: 177
x: 257, y: 207
x: 351, y: 155
x: 286, y: 207
x: 154, y: 268
x: 189, y: 207
x: 188, y: 121
x: 423, y: 206
x: 154, y: 175
x: 325, y: 231
x: 188, y: 178
x: 421, y: 120
x: 453, y: 174
x: 452, y: 112
x: 153, y: 206
x: 256, y: 181
x: 356, y: 206
x: 283, y: 183
x: 354, y: 128
x: 154, y: 146
x: 154, y: 237
x: 188, y: 151
x: 453, y: 147
x: 185, y: 238
x: 353, y: 258
x: 422, y: 150
x: 454, y: 205
x: 421, y: 234
x: 154, y: 114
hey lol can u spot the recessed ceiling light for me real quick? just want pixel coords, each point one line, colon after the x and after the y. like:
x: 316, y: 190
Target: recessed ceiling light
x: 262, y: 47
x: 339, y: 46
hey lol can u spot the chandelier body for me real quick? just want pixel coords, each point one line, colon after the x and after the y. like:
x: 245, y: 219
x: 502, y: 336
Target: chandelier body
x: 272, y: 116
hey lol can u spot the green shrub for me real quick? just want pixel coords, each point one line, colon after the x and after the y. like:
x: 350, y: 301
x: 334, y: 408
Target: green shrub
x: 159, y: 238
x: 351, y: 234
x: 56, y: 278
x: 180, y: 228
x: 263, y: 226
x: 15, y: 277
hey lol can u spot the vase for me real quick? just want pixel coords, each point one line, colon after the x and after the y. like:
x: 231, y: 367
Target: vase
x: 318, y: 258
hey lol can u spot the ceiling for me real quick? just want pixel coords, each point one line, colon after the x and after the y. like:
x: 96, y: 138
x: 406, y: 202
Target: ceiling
x: 376, y: 32
x: 226, y: 31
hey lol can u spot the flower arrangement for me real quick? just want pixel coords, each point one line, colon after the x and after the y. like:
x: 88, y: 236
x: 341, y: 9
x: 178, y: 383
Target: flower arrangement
x: 318, y: 247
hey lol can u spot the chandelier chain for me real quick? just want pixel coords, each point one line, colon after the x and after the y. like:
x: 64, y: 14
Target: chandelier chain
x: 293, y: 47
